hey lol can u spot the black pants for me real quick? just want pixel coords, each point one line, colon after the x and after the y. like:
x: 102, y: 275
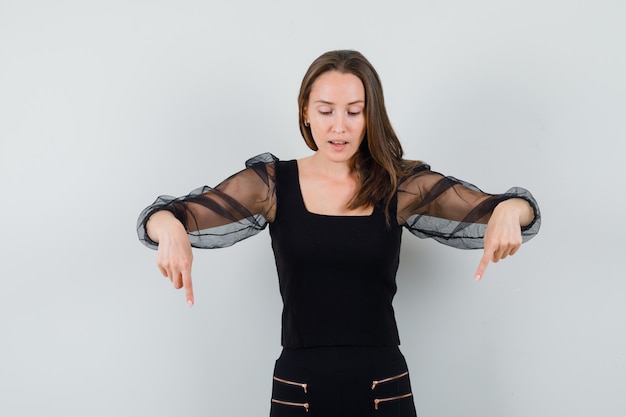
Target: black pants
x: 342, y: 382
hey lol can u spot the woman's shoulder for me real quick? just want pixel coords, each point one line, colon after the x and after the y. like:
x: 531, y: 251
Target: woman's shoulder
x: 410, y: 168
x: 267, y: 166
x: 262, y: 159
x: 268, y: 158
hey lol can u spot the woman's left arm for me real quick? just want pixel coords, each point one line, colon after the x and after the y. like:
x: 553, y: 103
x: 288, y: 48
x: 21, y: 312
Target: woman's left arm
x: 458, y: 214
x: 503, y: 235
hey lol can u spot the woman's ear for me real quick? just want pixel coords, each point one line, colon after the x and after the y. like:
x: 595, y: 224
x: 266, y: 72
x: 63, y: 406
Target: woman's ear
x: 305, y: 117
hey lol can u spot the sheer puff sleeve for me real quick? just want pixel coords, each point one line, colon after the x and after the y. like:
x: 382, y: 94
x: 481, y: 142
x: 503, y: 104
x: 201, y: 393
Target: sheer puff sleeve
x: 239, y: 207
x: 452, y: 211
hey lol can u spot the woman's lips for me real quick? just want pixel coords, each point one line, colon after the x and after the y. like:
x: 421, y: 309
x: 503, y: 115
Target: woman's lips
x: 338, y: 145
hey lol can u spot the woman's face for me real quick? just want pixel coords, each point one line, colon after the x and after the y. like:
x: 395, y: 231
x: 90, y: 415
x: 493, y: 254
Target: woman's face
x: 336, y: 113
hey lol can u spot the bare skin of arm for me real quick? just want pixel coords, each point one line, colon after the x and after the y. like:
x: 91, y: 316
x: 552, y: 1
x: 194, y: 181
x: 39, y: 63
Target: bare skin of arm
x: 503, y: 235
x: 174, y: 255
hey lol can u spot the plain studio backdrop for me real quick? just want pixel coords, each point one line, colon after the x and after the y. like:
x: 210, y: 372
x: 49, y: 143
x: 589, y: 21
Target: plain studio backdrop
x: 106, y: 104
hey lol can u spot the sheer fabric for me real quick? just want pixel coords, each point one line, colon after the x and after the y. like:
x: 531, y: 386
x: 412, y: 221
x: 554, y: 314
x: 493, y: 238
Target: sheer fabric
x: 236, y: 209
x: 430, y: 205
x: 452, y: 211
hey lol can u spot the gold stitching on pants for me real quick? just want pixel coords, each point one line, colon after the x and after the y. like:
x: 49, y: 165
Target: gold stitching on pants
x: 284, y: 381
x: 305, y: 405
x: 393, y: 378
x: 384, y: 400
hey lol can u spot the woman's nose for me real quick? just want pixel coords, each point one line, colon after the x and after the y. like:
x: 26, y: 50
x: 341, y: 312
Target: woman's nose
x: 339, y: 125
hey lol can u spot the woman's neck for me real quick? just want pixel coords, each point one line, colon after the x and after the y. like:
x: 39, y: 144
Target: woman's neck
x: 336, y: 170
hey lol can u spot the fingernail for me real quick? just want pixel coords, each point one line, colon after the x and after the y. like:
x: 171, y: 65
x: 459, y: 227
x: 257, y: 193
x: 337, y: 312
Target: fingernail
x: 477, y: 278
x: 190, y: 303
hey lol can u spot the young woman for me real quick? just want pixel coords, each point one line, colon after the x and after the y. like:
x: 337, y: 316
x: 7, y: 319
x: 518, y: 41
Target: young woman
x: 335, y: 219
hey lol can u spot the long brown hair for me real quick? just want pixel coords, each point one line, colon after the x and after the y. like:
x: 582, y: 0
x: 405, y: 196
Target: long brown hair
x: 378, y: 163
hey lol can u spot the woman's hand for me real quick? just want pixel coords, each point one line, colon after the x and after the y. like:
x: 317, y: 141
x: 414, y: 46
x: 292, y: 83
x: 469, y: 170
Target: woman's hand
x: 503, y: 236
x: 174, y: 255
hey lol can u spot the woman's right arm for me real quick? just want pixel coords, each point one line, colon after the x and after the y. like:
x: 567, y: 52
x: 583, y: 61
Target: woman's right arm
x: 239, y: 207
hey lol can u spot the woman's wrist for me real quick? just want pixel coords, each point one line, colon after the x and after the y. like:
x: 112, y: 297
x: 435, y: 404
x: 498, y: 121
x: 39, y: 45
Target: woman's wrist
x: 519, y: 207
x: 159, y: 222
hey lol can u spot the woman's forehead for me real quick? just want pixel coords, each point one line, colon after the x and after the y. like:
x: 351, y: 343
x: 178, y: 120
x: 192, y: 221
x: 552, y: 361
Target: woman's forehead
x: 335, y: 87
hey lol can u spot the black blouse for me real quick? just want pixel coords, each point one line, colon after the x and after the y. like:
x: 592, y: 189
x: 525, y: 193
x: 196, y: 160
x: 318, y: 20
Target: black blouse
x: 336, y: 273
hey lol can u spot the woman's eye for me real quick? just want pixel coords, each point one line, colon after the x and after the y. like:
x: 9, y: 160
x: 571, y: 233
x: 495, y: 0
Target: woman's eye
x: 325, y: 112
x: 354, y: 113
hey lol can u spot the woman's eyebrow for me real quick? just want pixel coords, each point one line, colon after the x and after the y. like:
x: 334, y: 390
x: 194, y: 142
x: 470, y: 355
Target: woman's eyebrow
x: 330, y: 102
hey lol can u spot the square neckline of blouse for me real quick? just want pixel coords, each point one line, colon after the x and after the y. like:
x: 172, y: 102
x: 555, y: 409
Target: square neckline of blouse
x: 339, y: 216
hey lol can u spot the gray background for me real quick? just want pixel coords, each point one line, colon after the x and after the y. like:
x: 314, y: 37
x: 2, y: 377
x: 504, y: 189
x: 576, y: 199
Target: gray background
x: 104, y: 105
